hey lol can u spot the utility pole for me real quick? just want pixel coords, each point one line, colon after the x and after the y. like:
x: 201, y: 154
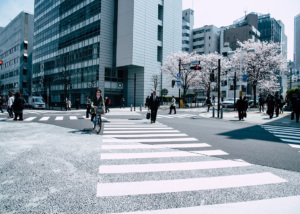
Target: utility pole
x: 219, y: 90
x: 179, y: 86
x: 234, y: 90
x: 134, y: 89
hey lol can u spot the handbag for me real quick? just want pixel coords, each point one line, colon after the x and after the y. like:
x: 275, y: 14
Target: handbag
x: 292, y: 115
x: 148, y: 115
x: 245, y: 114
x: 99, y: 110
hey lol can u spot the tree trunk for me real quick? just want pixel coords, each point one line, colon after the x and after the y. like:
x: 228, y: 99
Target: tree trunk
x: 254, y: 91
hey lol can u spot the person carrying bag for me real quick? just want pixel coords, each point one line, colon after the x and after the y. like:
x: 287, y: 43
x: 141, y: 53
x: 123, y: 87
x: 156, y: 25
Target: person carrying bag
x: 173, y: 105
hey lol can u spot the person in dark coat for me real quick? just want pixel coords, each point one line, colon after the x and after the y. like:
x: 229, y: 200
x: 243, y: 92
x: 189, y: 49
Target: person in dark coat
x: 261, y: 104
x: 208, y: 103
x: 97, y: 101
x: 271, y: 106
x: 296, y: 108
x: 147, y: 101
x: 240, y: 106
x: 1, y: 103
x: 246, y: 104
x: 122, y: 102
x: 18, y: 106
x: 88, y: 106
x: 277, y: 105
x: 153, y: 105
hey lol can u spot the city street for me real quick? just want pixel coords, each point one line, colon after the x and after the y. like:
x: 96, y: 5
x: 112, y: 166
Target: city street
x: 54, y: 162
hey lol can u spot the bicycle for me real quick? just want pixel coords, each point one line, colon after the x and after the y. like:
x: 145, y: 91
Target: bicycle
x: 98, y: 119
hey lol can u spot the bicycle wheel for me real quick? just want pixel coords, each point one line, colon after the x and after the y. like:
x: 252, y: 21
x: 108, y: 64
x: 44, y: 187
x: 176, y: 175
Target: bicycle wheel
x: 99, y: 125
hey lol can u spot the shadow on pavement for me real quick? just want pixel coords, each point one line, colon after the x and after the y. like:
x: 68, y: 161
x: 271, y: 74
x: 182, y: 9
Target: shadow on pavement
x: 84, y: 131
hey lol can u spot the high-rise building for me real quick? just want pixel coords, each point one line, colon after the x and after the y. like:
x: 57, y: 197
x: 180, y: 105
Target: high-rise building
x: 16, y: 44
x: 297, y: 41
x: 187, y: 30
x: 114, y: 45
x: 269, y: 28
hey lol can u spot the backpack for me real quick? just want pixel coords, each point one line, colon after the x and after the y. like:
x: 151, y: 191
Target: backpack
x: 108, y: 102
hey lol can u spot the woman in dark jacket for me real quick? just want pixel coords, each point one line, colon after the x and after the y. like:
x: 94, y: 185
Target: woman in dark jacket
x: 18, y: 106
x: 96, y: 101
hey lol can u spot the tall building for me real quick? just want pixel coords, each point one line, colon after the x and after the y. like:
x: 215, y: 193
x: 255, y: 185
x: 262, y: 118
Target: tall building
x: 297, y: 41
x: 114, y: 45
x: 16, y: 44
x: 187, y: 30
x: 269, y: 28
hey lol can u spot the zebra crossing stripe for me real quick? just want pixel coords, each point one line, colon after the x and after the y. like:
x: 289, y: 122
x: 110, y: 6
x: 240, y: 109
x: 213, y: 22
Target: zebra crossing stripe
x: 281, y: 128
x: 29, y: 119
x: 275, y: 205
x: 147, y: 135
x: 73, y: 118
x: 143, y: 155
x: 137, y: 128
x: 290, y: 140
x: 161, y: 167
x: 59, y: 118
x: 287, y: 136
x: 148, y: 140
x: 143, y: 146
x: 295, y: 146
x: 211, y: 152
x: 184, y: 185
x: 283, y: 132
x: 132, y: 132
x: 44, y: 118
x: 148, y: 125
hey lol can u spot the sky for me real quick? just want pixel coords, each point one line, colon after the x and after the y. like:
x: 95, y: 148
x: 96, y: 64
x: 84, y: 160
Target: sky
x: 212, y: 12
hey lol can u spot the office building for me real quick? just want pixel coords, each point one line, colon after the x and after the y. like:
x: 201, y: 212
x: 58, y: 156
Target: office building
x: 269, y: 28
x: 114, y: 45
x: 297, y: 41
x: 187, y: 30
x: 16, y: 44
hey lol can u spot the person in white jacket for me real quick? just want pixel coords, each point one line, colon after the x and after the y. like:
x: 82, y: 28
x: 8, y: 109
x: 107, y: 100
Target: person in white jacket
x: 9, y: 106
x: 173, y: 105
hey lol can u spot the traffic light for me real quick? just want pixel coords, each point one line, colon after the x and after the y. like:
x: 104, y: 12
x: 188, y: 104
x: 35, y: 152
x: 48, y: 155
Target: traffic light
x: 173, y: 83
x: 1, y: 62
x: 197, y: 67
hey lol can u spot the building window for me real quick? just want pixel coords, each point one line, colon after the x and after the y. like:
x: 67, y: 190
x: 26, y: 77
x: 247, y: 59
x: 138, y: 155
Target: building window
x: 160, y: 12
x: 198, y: 32
x: 198, y: 39
x: 159, y: 33
x: 209, y: 37
x: 159, y: 53
x: 208, y: 30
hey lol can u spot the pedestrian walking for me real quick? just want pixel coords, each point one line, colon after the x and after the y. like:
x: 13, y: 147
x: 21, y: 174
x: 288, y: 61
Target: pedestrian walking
x: 9, y: 106
x: 213, y: 99
x: 18, y: 106
x: 77, y: 103
x: 296, y: 108
x: 261, y: 104
x: 69, y: 104
x: 1, y: 103
x: 240, y: 105
x: 107, y: 103
x: 246, y: 105
x: 154, y: 105
x: 208, y: 103
x: 147, y: 101
x: 88, y: 106
x: 282, y: 103
x: 122, y: 102
x: 173, y: 105
x: 271, y: 106
x: 277, y: 105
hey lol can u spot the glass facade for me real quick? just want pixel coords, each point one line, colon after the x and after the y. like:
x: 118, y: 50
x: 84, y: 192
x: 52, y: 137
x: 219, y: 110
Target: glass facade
x: 67, y: 49
x: 269, y: 28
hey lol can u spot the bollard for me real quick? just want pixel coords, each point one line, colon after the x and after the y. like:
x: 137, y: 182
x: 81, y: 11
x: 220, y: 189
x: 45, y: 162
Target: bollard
x: 131, y: 107
x: 213, y: 112
x: 141, y: 108
x: 221, y: 113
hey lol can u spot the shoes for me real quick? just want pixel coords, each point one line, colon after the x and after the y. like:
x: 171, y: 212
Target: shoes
x: 20, y: 119
x: 152, y: 122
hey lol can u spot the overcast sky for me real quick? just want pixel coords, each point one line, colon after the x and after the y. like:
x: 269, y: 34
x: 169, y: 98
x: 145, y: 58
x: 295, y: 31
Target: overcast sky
x: 216, y: 12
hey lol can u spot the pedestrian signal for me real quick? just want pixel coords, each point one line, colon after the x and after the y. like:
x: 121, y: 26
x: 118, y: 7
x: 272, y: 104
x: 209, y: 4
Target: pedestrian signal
x: 1, y: 62
x: 195, y: 67
x: 173, y: 83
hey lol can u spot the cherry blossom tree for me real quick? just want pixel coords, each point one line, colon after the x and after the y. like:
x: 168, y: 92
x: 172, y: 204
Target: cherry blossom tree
x: 269, y: 86
x: 261, y: 61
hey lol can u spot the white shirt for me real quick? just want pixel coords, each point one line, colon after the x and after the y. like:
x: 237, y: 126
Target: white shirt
x: 10, y: 101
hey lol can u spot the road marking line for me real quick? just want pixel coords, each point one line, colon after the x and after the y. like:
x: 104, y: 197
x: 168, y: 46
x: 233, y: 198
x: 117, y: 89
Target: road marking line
x: 148, y: 140
x: 138, y: 128
x: 73, y: 118
x: 143, y: 155
x: 274, y: 205
x: 211, y: 152
x: 290, y: 141
x: 59, y: 118
x: 184, y: 185
x: 44, y: 118
x: 295, y: 146
x: 29, y: 118
x: 280, y: 128
x: 131, y: 132
x: 286, y: 136
x: 287, y: 133
x: 160, y: 167
x: 147, y: 135
x: 143, y: 146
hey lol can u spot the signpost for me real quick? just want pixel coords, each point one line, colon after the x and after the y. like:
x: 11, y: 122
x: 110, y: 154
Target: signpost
x: 179, y: 75
x: 178, y: 83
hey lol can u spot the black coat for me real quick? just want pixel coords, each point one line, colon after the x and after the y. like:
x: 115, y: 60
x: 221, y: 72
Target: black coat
x: 18, y: 105
x: 154, y: 104
x: 240, y: 105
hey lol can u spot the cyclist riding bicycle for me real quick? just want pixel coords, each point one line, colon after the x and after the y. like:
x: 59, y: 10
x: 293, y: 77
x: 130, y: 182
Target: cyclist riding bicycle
x: 97, y: 101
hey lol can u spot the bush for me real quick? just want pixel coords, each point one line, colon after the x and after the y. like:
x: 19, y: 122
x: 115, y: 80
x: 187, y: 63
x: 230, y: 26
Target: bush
x: 292, y: 92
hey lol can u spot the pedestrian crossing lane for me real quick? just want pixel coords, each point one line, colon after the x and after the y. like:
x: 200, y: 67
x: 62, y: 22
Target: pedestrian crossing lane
x: 161, y: 156
x: 285, y: 133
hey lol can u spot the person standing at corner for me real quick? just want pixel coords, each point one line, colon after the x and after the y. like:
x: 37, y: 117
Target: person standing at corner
x: 18, y: 106
x: 69, y: 104
x: 154, y: 105
x: 271, y: 106
x: 208, y: 103
x: 9, y: 106
x: 173, y: 105
x: 261, y: 104
x: 1, y: 103
x: 296, y: 108
x: 240, y: 105
x: 107, y: 103
x: 88, y: 106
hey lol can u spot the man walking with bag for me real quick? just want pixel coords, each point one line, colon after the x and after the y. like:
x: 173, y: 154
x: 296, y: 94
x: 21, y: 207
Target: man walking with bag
x: 173, y: 105
x: 240, y: 105
x: 154, y: 105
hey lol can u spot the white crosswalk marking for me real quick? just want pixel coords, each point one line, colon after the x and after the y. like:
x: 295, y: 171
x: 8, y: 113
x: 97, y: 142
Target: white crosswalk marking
x: 145, y: 146
x: 286, y: 134
x: 73, y: 118
x: 44, y: 118
x: 211, y: 152
x: 148, y: 135
x: 29, y: 119
x: 182, y: 185
x: 132, y: 132
x: 145, y: 140
x: 59, y: 118
x: 175, y: 116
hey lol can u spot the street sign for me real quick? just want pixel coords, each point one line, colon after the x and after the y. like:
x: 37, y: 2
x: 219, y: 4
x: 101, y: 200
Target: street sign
x: 245, y: 78
x: 179, y: 75
x: 178, y: 83
x: 195, y: 62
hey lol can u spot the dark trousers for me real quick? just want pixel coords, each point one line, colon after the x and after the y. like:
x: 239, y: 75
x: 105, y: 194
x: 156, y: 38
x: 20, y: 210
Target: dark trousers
x: 106, y: 109
x: 88, y: 110
x: 20, y: 115
x: 153, y: 114
x: 10, y: 112
x: 261, y: 108
x: 241, y: 114
x: 171, y: 108
x: 1, y: 108
x: 297, y: 113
